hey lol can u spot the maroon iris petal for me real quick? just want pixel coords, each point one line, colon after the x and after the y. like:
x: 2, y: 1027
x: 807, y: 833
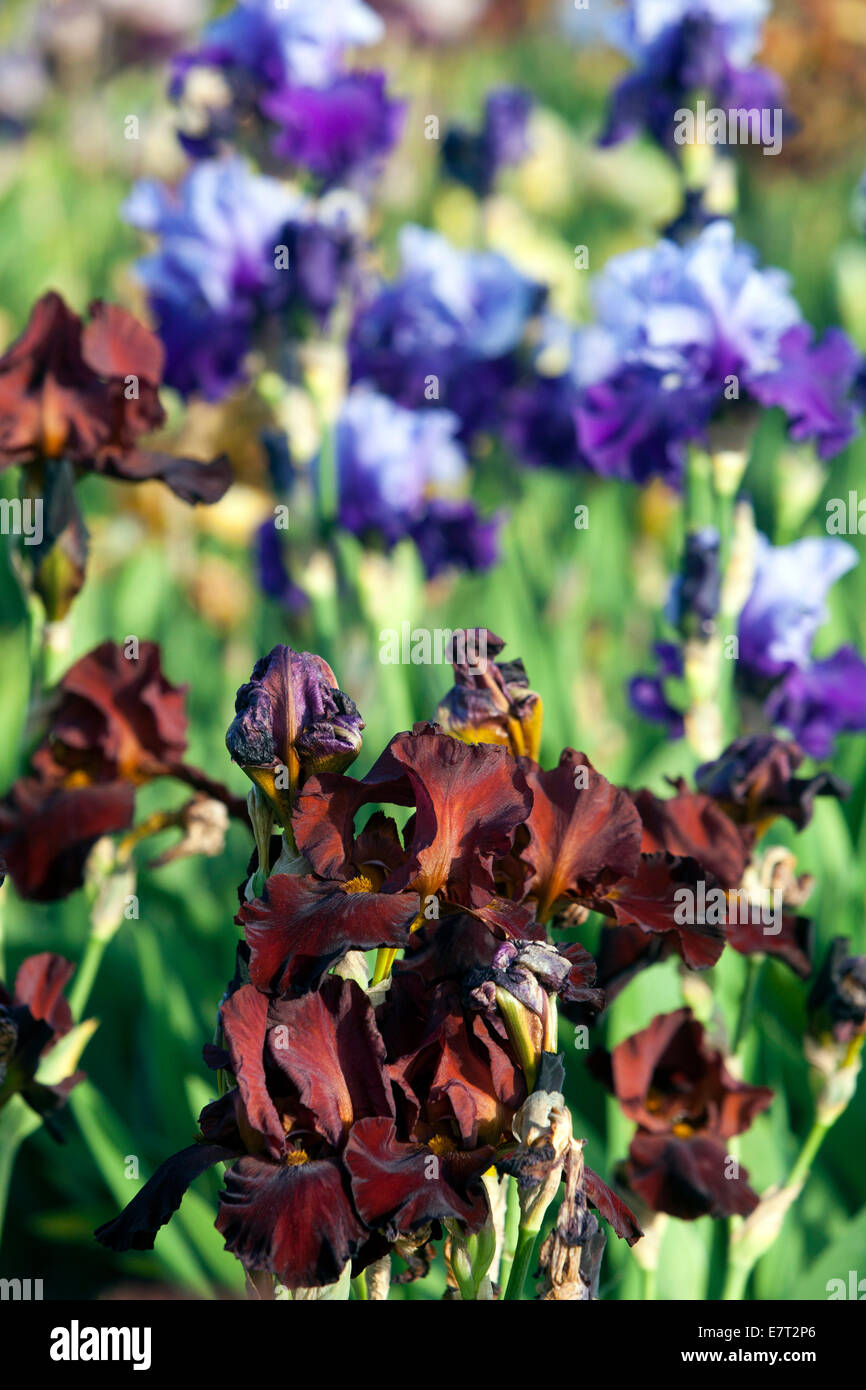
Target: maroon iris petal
x: 65, y: 393
x: 295, y: 1222
x: 47, y: 832
x: 328, y: 1044
x: 136, y: 1226
x: 244, y: 1017
x: 115, y: 716
x: 794, y: 943
x: 612, y: 1208
x: 302, y: 924
x: 649, y: 900
x: 688, y: 1177
x: 39, y: 984
x: 402, y: 1186
x: 691, y: 825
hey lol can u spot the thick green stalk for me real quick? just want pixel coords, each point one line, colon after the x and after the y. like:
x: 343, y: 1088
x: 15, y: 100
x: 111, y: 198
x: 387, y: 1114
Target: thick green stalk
x: 526, y: 1239
x: 512, y: 1228
x: 17, y: 1121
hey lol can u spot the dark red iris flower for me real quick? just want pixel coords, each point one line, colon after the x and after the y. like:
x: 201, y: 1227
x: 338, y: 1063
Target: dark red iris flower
x: 47, y: 830
x: 371, y: 889
x: 113, y: 722
x: 310, y: 1130
x: 583, y: 844
x: 687, y: 1106
x: 87, y: 393
x: 693, y: 825
x: 33, y: 1018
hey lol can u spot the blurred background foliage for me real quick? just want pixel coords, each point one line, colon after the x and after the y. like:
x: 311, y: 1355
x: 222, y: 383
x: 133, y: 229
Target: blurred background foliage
x: 581, y: 607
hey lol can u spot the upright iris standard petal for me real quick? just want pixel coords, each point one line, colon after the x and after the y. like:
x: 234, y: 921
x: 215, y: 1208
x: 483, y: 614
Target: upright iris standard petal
x: 788, y: 602
x: 580, y: 827
x: 404, y: 473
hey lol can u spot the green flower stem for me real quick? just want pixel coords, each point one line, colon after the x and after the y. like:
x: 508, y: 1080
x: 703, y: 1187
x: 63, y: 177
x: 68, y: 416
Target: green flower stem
x: 17, y: 1121
x: 809, y: 1152
x: 649, y: 1284
x: 512, y: 1228
x: 736, y: 1279
x: 85, y: 975
x: 526, y: 1238
x: 359, y: 1288
x: 747, y: 1001
x: 744, y: 1253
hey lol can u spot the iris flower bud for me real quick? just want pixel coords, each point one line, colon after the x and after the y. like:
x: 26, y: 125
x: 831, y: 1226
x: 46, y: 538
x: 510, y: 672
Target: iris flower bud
x: 490, y: 702
x: 290, y: 722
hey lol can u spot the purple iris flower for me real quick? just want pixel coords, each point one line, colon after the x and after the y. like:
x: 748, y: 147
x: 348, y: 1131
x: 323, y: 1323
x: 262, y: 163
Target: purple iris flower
x: 447, y: 329
x: 282, y: 63
x: 338, y: 131
x: 647, y: 696
x: 274, y: 578
x: 477, y: 158
x: 681, y: 48
x: 814, y: 699
x: 694, y: 331
x: 788, y: 602
x: 825, y: 699
x: 235, y: 250
x: 401, y: 473
x: 270, y: 43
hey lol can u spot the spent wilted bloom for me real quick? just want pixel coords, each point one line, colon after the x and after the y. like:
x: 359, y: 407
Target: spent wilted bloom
x: 837, y: 1003
x: 490, y: 701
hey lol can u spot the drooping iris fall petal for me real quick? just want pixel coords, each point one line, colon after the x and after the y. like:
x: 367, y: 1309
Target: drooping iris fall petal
x: 302, y: 924
x: 328, y: 1044
x: 47, y: 831
x: 293, y: 1221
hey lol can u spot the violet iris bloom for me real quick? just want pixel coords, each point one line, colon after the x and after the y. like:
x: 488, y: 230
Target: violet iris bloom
x: 477, y: 158
x: 696, y: 331
x: 235, y: 250
x: 283, y: 64
x: 814, y: 699
x: 681, y: 48
x: 402, y: 473
x: 447, y: 328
